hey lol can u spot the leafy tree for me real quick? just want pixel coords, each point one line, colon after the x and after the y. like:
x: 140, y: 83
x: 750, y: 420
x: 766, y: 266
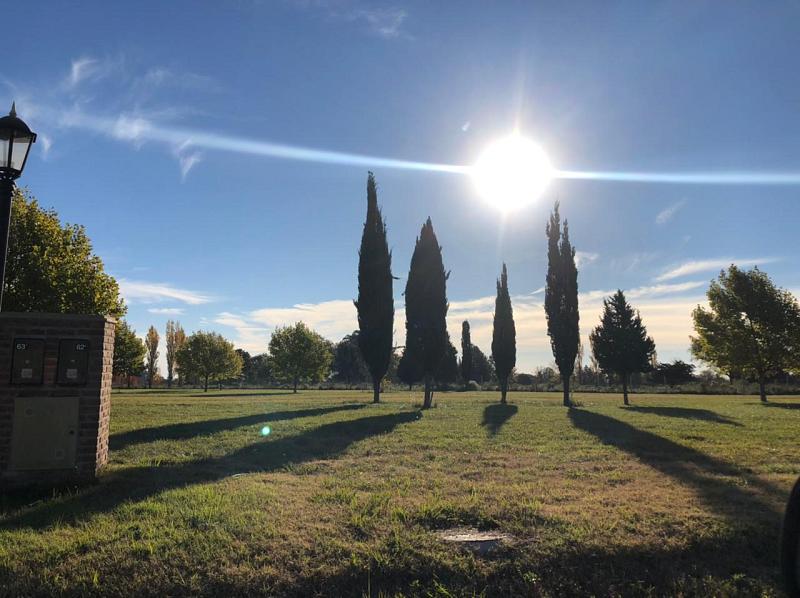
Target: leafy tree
x: 561, y: 299
x: 246, y: 375
x: 51, y: 267
x: 426, y: 310
x: 466, y: 352
x: 524, y: 379
x: 751, y: 327
x: 262, y: 365
x: 579, y: 362
x: 375, y: 302
x: 671, y: 374
x: 408, y: 370
x: 298, y: 354
x: 504, y: 335
x: 208, y: 356
x: 482, y: 366
x: 151, y: 344
x: 175, y: 338
x: 620, y: 343
x: 348, y: 364
x: 129, y: 351
x: 448, y: 368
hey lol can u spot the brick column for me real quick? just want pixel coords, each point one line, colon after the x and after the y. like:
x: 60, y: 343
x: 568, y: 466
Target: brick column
x: 50, y: 446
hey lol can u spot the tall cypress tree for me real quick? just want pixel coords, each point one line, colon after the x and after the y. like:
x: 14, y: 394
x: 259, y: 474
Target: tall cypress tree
x: 426, y: 310
x: 375, y: 303
x: 561, y: 299
x: 620, y: 343
x: 504, y: 337
x: 466, y: 353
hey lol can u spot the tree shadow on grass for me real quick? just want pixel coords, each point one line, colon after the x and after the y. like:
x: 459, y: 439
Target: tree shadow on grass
x: 496, y: 415
x: 215, y: 394
x: 139, y: 483
x: 706, y: 475
x: 685, y: 413
x: 184, y: 430
x: 780, y: 405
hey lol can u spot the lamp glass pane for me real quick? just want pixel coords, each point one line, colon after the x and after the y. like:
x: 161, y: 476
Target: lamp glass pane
x: 4, y: 145
x: 19, y: 151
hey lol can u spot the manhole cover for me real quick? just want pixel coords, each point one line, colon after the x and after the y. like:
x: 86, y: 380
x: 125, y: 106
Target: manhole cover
x: 473, y: 539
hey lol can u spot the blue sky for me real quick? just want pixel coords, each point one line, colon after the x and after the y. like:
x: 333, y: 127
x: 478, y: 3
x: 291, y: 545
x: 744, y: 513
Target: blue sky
x: 153, y: 120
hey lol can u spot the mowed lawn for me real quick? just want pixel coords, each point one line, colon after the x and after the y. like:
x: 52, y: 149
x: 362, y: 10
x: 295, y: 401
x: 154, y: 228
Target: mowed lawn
x: 675, y: 495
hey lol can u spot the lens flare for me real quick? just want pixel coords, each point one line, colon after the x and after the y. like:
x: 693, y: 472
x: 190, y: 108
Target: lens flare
x: 265, y: 431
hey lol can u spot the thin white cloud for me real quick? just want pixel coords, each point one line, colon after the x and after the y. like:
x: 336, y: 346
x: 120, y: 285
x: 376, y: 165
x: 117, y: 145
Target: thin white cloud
x: 666, y: 214
x: 187, y: 162
x: 81, y: 69
x: 385, y: 22
x: 584, y: 258
x: 332, y: 319
x: 646, y: 292
x: 47, y: 144
x: 166, y: 311
x: 711, y: 265
x: 137, y: 291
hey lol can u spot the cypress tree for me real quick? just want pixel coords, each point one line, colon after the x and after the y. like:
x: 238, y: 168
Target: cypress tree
x: 504, y: 337
x: 426, y: 309
x: 620, y: 343
x: 561, y: 299
x: 375, y: 303
x: 466, y: 353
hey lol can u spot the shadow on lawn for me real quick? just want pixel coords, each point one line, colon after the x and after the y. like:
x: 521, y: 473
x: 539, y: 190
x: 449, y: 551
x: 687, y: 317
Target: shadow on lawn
x: 496, y: 415
x: 686, y: 413
x: 182, y: 431
x: 216, y: 394
x: 703, y: 473
x: 140, y: 483
x: 780, y: 405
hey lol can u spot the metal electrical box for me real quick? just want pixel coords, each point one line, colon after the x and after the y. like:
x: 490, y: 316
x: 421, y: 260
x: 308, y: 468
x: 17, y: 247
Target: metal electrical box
x: 27, y: 362
x: 45, y: 433
x: 73, y: 362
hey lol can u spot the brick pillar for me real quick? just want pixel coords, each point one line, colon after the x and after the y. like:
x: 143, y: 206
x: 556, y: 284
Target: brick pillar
x: 54, y: 418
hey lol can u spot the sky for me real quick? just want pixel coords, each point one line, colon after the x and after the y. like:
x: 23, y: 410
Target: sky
x: 217, y: 153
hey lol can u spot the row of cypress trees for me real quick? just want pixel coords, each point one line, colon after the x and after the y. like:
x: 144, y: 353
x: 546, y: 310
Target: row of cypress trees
x: 620, y: 342
x: 427, y: 340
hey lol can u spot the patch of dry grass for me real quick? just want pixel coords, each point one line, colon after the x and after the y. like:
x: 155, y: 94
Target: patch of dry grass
x: 677, y: 495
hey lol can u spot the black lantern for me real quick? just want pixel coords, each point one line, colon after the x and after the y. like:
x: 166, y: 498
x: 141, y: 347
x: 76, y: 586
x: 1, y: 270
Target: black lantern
x: 16, y: 139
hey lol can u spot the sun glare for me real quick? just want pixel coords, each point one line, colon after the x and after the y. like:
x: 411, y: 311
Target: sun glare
x: 512, y: 172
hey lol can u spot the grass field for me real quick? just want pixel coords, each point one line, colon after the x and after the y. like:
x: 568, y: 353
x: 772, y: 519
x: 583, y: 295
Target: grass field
x: 675, y: 495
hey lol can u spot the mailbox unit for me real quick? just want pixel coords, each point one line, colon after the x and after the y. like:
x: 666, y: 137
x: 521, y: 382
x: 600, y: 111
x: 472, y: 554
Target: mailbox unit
x: 27, y: 363
x: 55, y: 390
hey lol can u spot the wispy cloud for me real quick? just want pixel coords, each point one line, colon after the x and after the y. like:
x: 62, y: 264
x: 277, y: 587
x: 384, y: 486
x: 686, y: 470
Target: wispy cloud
x: 153, y: 292
x: 166, y: 311
x: 666, y: 214
x: 47, y: 143
x: 584, y: 258
x: 250, y: 336
x: 80, y: 70
x: 384, y: 21
x: 711, y: 265
x: 332, y: 319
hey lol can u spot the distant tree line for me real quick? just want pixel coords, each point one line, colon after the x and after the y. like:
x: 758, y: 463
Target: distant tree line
x: 749, y: 333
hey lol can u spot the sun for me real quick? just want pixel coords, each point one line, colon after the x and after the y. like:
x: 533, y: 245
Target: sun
x: 512, y: 172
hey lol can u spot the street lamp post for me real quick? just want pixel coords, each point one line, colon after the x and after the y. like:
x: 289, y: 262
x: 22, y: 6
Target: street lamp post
x: 15, y: 143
